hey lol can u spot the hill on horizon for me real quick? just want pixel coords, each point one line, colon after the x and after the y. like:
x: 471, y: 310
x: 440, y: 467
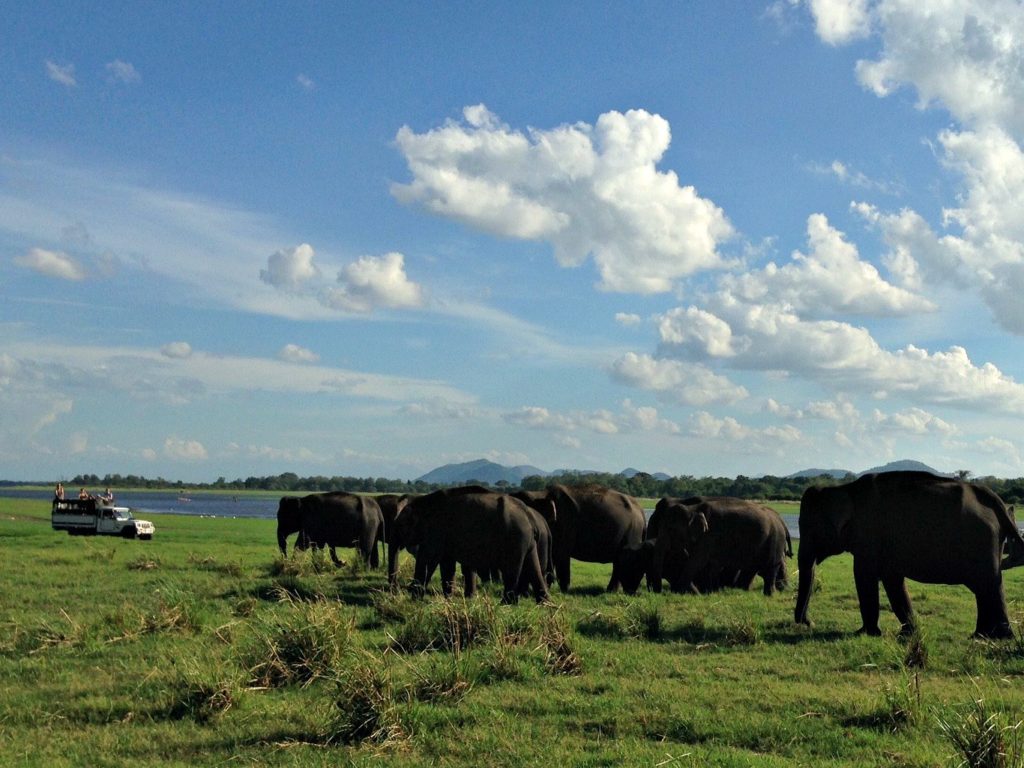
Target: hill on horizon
x: 486, y: 471
x: 482, y: 470
x: 904, y: 465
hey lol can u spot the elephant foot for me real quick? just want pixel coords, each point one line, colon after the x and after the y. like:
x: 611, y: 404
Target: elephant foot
x: 998, y: 632
x: 869, y: 631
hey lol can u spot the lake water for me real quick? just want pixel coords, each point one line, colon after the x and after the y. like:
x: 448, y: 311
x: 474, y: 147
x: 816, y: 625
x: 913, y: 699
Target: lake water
x: 219, y: 504
x: 170, y: 503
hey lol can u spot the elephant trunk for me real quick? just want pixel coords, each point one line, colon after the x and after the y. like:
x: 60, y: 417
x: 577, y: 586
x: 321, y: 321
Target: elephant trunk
x: 282, y: 541
x: 806, y: 563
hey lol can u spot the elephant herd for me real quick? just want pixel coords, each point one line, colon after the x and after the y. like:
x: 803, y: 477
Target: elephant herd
x: 897, y: 525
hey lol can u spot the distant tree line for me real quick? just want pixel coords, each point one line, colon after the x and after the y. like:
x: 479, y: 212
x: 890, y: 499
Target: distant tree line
x: 285, y: 482
x: 642, y: 484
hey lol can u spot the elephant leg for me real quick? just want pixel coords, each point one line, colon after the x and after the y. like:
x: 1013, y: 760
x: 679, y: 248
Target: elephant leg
x: 865, y: 576
x: 613, y: 583
x: 373, y: 560
x: 562, y: 569
x: 393, y: 563
x: 334, y: 557
x: 993, y: 621
x: 781, y: 577
x: 769, y: 576
x: 899, y: 599
x: 424, y: 570
x: 510, y: 586
x: 447, y: 576
x: 534, y: 573
x: 743, y: 579
x: 468, y: 581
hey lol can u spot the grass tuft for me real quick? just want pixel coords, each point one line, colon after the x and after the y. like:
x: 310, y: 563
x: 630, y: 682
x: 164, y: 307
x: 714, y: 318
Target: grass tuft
x: 642, y: 619
x: 453, y: 624
x: 556, y: 644
x: 302, y: 645
x: 981, y: 737
x: 365, y: 706
x: 443, y: 681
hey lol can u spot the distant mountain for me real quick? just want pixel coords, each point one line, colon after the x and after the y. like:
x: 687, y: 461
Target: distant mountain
x: 489, y: 472
x: 906, y: 465
x: 630, y: 472
x: 838, y: 474
x: 482, y: 470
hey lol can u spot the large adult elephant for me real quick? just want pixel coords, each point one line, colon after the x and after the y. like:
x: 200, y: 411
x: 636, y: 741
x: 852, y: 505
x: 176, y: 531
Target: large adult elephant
x: 592, y: 524
x: 336, y: 519
x: 479, y: 531
x: 719, y: 541
x: 915, y: 525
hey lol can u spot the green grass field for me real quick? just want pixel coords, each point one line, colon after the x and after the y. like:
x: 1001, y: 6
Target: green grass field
x: 204, y: 647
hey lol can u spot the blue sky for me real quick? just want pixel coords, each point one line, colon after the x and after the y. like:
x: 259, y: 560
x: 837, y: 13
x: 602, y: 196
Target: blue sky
x: 373, y: 238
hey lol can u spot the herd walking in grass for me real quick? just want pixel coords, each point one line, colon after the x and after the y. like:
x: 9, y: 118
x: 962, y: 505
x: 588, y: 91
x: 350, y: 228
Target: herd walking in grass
x: 897, y: 525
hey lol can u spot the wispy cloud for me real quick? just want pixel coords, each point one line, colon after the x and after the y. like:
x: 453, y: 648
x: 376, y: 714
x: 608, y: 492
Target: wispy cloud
x: 61, y: 73
x: 123, y: 72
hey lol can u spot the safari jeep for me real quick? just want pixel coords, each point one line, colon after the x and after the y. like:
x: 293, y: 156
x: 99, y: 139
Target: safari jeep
x: 89, y: 517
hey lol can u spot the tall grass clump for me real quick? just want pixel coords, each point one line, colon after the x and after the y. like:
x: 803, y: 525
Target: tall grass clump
x: 303, y: 645
x: 451, y: 624
x: 901, y: 708
x: 557, y: 644
x: 365, y: 706
x: 642, y: 619
x: 981, y: 737
x: 202, y: 690
x: 442, y: 680
x: 916, y: 655
x: 305, y: 562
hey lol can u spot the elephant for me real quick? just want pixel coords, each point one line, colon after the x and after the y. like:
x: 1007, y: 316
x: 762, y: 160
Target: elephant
x: 915, y: 525
x: 391, y: 506
x: 711, y: 542
x: 479, y: 530
x: 336, y: 519
x: 396, y: 540
x: 591, y: 523
x: 632, y: 563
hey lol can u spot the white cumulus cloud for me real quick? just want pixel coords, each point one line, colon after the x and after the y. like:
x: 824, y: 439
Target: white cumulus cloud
x: 372, y: 282
x: 676, y: 381
x: 588, y: 190
x: 52, y: 264
x: 830, y: 279
x: 291, y: 269
x: 840, y: 21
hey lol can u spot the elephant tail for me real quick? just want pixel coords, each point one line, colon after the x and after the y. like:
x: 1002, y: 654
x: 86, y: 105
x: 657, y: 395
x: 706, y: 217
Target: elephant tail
x: 789, y: 540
